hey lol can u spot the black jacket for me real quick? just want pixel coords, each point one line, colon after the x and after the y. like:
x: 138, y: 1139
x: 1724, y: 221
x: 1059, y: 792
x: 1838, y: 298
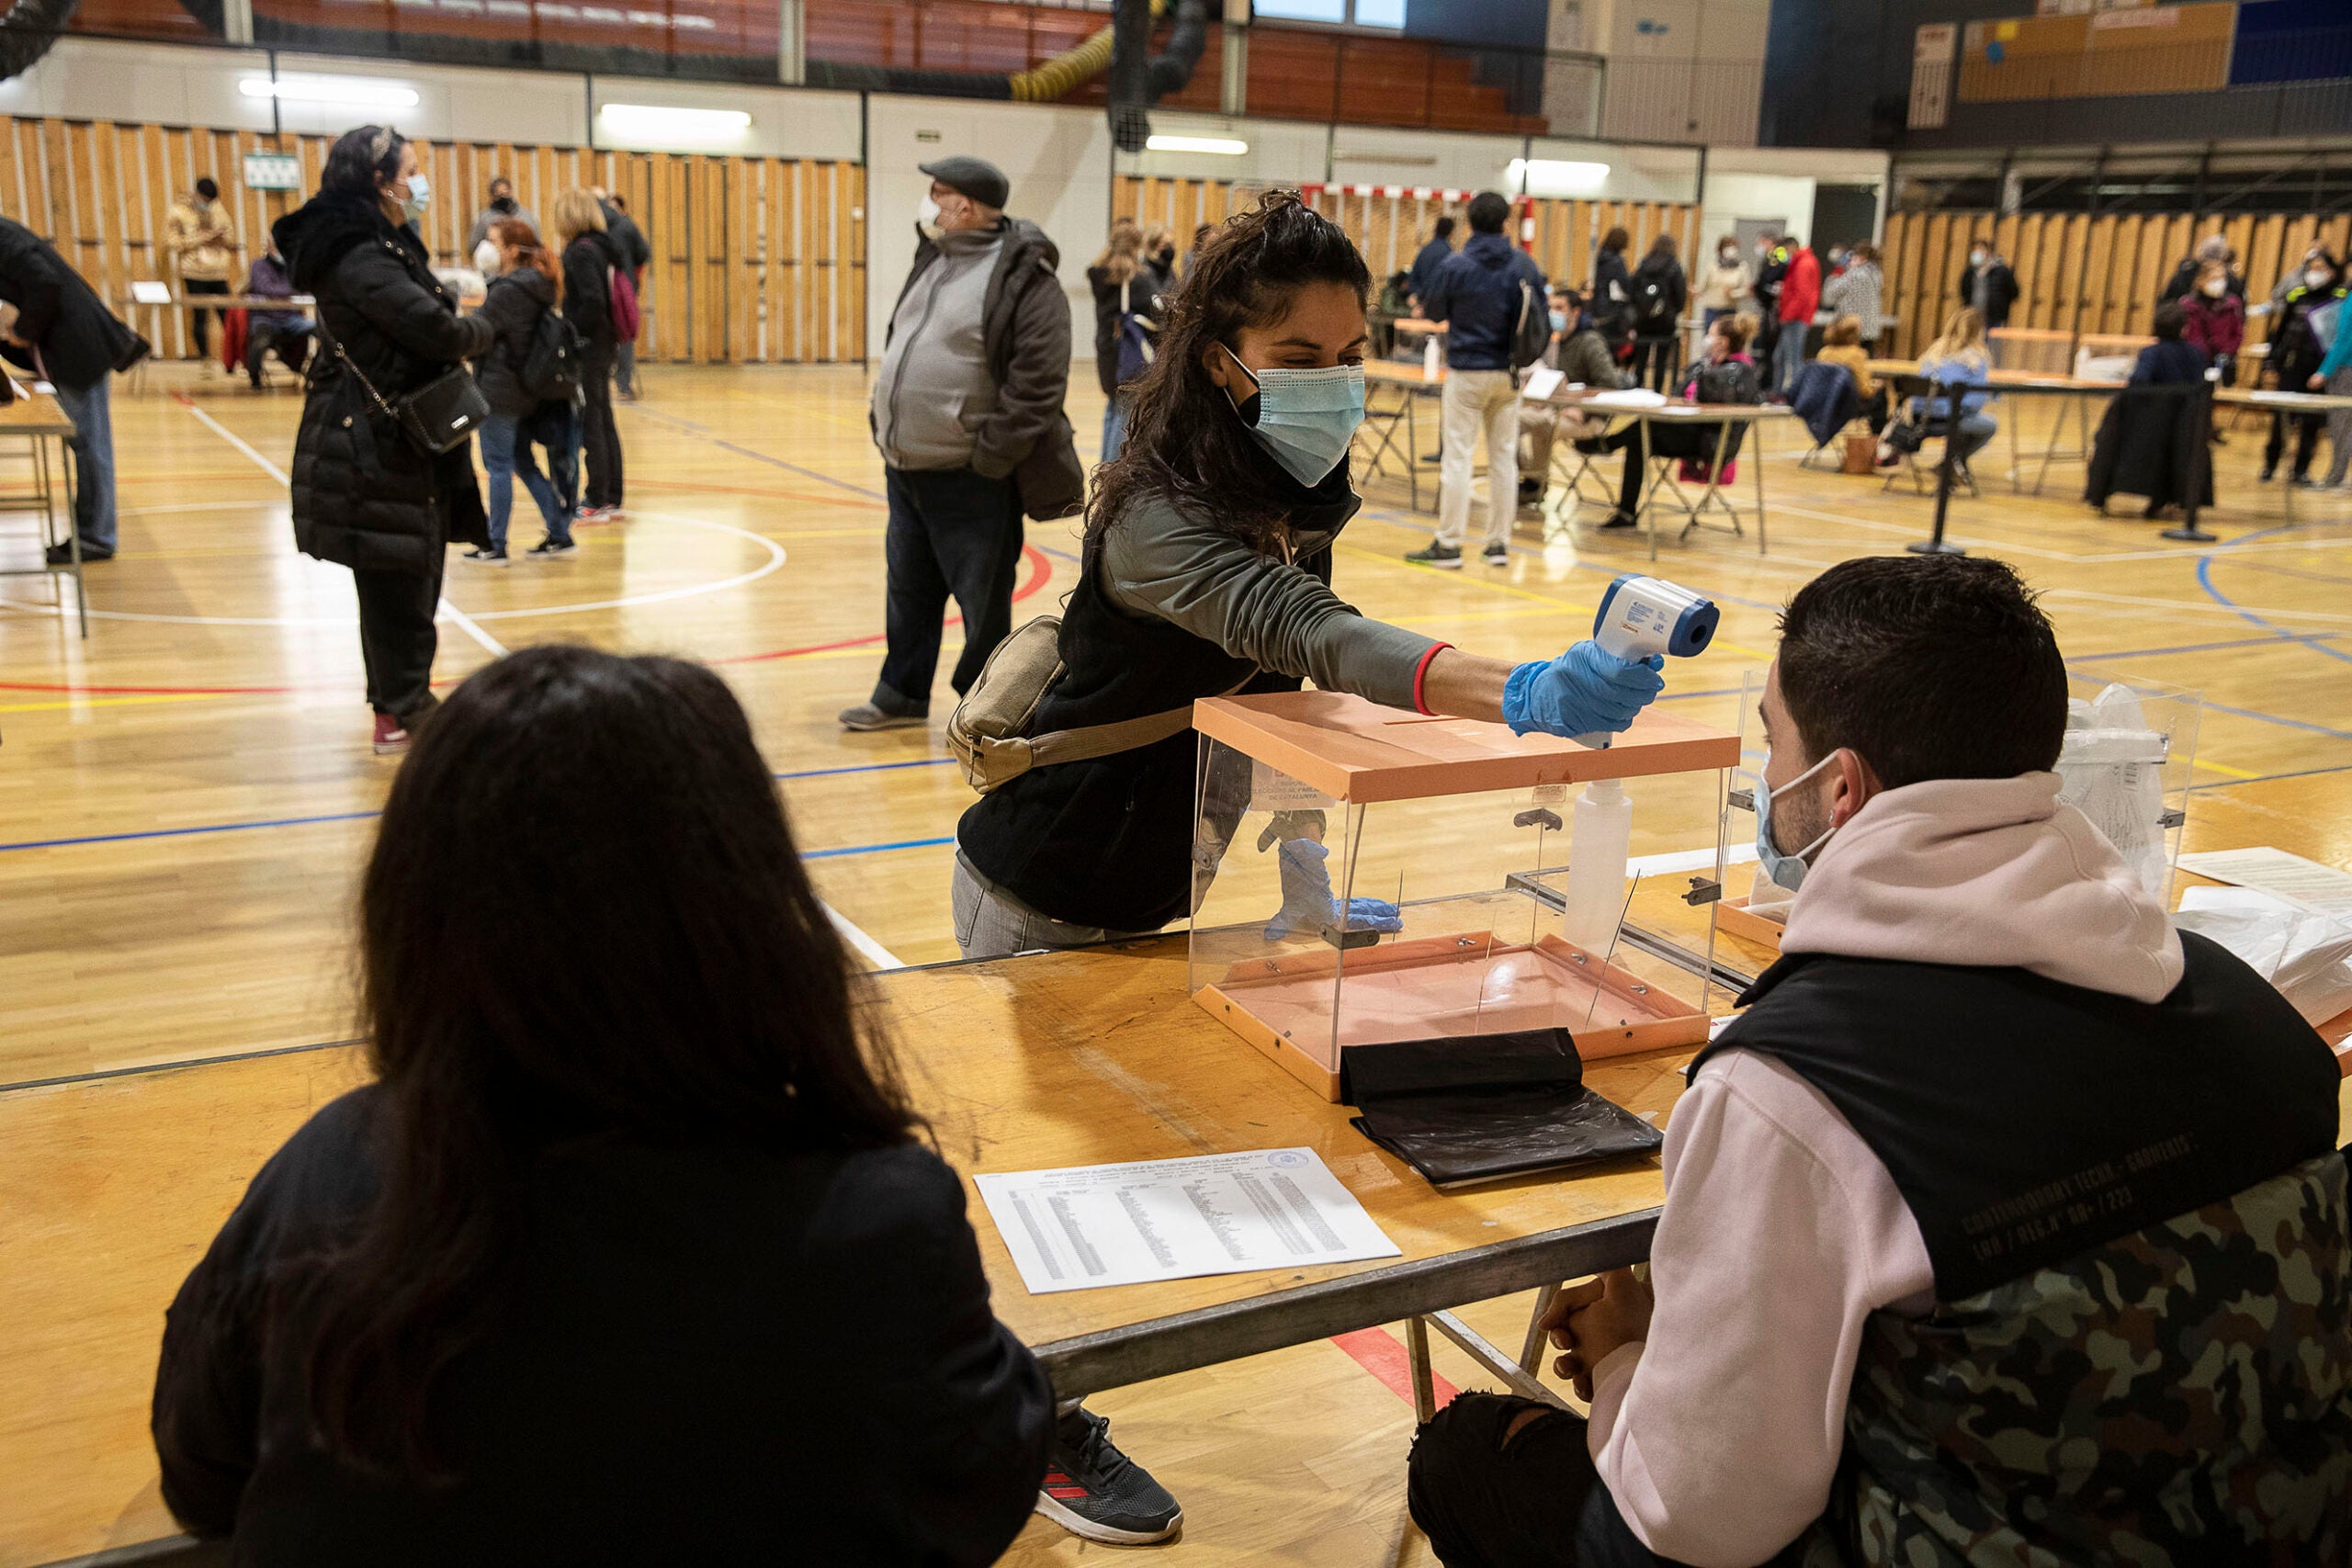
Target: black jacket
x: 708, y: 1354
x: 364, y: 495
x: 628, y: 239
x: 1673, y: 293
x: 2000, y: 291
x: 1025, y: 324
x: 2154, y: 443
x: 588, y: 289
x: 58, y: 313
x: 1141, y: 296
x: 1611, y: 304
x: 513, y: 307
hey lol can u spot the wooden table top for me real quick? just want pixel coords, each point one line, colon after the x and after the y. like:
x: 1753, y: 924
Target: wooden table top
x: 34, y: 413
x: 111, y: 1188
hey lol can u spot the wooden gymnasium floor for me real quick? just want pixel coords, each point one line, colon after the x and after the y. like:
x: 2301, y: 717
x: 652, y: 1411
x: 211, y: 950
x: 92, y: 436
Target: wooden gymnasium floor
x: 185, y: 797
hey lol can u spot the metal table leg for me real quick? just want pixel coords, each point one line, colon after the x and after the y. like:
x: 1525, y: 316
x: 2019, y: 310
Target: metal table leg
x: 1757, y: 463
x: 1417, y: 1354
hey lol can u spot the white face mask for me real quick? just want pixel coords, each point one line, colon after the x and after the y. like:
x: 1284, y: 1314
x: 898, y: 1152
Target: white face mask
x: 2314, y: 278
x: 1976, y: 258
x: 1728, y: 257
x: 927, y: 215
x: 2216, y: 289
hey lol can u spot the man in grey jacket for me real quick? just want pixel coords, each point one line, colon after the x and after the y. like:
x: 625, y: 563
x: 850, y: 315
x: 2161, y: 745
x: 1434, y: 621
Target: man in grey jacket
x: 968, y: 412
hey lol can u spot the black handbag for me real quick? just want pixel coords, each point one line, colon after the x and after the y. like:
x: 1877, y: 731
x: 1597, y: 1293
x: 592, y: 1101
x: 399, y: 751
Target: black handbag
x: 435, y: 417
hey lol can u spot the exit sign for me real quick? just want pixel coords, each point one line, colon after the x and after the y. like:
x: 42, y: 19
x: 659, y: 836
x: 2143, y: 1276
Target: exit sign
x: 273, y: 171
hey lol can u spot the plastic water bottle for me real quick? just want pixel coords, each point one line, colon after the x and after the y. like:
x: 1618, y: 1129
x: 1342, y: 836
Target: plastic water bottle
x: 1600, y: 834
x: 1429, y: 359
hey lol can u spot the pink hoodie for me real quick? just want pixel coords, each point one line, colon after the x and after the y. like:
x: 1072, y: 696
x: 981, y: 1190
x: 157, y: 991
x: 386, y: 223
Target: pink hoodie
x: 1782, y: 1232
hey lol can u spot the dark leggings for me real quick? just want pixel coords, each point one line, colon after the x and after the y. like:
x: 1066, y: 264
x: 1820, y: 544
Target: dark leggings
x: 397, y: 637
x: 1654, y: 362
x: 2307, y: 429
x: 600, y: 443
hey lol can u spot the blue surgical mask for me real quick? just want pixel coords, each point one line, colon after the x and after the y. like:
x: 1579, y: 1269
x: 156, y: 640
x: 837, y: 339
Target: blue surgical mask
x: 1788, y: 870
x: 1306, y: 418
x: 420, y: 197
x: 1559, y: 321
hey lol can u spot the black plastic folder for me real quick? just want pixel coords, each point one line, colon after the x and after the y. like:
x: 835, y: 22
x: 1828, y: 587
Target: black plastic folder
x: 1478, y: 1107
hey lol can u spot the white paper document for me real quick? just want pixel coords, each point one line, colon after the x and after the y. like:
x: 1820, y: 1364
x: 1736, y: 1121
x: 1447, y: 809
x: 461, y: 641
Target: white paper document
x: 1631, y: 398
x: 1542, y: 382
x: 2305, y: 882
x: 1171, y: 1219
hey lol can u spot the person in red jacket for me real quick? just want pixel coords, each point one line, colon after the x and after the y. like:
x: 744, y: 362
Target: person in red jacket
x: 1800, y: 298
x: 2216, y: 321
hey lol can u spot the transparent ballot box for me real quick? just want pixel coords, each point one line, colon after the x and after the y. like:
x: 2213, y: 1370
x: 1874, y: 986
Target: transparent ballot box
x: 2128, y: 762
x: 1367, y: 875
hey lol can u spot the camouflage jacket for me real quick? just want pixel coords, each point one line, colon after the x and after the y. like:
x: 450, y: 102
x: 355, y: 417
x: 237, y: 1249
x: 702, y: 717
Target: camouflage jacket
x: 2176, y: 1398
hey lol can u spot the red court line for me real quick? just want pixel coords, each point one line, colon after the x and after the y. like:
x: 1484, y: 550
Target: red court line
x: 1041, y: 572
x: 1382, y: 1355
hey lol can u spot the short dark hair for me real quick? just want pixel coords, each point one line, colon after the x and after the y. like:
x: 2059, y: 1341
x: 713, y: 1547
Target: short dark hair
x: 1444, y: 228
x: 209, y: 188
x: 2168, y: 320
x: 1616, y: 239
x: 1927, y: 667
x: 362, y: 159
x: 1488, y: 213
x: 1976, y: 240
x: 497, y: 180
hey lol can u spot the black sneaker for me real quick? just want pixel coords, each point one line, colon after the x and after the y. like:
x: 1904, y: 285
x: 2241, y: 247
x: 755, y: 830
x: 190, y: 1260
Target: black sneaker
x: 1094, y: 1491
x: 1447, y: 556
x: 62, y: 555
x: 552, y: 546
x: 1496, y: 555
x: 486, y: 556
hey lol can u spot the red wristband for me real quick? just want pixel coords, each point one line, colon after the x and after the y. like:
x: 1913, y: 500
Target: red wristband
x: 1421, y: 672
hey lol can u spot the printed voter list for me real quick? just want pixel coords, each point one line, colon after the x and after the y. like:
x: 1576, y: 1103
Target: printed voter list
x: 1171, y: 1219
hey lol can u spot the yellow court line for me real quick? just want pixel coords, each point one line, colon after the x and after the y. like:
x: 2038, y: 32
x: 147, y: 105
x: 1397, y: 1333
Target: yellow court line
x: 2221, y: 768
x: 118, y: 702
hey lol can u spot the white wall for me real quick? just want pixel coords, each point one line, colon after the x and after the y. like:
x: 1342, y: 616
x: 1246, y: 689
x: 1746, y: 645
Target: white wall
x: 1058, y: 160
x: 141, y: 83
x: 1777, y: 183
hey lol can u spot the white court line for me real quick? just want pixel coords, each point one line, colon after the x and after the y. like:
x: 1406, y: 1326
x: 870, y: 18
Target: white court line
x: 867, y: 948
x: 457, y: 617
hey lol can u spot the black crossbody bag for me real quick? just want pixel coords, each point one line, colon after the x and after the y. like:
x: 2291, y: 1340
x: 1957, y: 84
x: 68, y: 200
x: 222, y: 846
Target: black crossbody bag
x: 435, y: 417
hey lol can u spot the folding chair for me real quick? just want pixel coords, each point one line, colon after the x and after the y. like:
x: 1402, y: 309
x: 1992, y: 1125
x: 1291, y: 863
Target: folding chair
x: 1904, y: 388
x: 1565, y: 448
x: 1390, y: 432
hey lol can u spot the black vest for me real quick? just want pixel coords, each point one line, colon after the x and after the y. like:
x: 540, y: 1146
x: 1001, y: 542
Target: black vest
x: 2025, y: 1120
x: 1108, y: 841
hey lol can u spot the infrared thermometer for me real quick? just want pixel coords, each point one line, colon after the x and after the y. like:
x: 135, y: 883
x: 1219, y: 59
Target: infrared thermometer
x: 1642, y: 615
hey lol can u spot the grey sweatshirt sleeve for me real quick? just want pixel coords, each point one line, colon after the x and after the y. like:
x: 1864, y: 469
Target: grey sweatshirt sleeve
x: 1157, y: 563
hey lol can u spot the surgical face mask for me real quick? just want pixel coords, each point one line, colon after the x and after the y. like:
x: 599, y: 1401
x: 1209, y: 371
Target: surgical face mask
x: 1728, y: 256
x: 1787, y: 870
x: 927, y: 216
x: 1559, y: 321
x: 2216, y: 289
x: 1976, y: 258
x: 1306, y: 418
x: 420, y: 196
x: 2314, y: 278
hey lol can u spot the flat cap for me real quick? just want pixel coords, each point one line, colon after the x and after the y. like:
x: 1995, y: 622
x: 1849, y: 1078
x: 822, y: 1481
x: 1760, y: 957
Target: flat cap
x: 975, y: 178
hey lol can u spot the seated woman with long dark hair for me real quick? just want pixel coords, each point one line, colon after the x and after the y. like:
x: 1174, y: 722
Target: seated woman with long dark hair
x: 631, y: 1253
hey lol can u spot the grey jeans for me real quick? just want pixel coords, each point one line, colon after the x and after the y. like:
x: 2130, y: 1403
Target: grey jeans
x: 992, y: 923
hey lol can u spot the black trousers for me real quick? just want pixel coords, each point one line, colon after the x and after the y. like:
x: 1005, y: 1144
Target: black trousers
x: 201, y: 321
x: 290, y: 343
x: 397, y: 637
x: 2307, y: 429
x: 952, y: 533
x: 1535, y: 1502
x: 1654, y: 362
x: 600, y: 443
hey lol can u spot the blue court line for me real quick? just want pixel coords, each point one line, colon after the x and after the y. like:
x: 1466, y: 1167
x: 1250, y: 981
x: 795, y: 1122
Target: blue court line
x: 868, y: 768
x: 759, y: 456
x: 2205, y: 580
x: 877, y: 849
x: 2272, y: 778
x: 189, y: 832
x: 2244, y: 713
x: 2211, y: 647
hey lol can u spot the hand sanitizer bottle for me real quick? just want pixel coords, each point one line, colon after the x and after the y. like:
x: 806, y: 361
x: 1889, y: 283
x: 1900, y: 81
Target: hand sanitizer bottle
x: 1600, y: 836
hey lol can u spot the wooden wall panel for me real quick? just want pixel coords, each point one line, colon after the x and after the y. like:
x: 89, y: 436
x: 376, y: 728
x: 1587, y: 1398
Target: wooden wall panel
x: 733, y: 277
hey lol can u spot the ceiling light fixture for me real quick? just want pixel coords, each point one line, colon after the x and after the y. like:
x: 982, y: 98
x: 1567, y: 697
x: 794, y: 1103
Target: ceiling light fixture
x: 329, y: 90
x: 662, y: 122
x: 1556, y: 176
x: 1224, y: 146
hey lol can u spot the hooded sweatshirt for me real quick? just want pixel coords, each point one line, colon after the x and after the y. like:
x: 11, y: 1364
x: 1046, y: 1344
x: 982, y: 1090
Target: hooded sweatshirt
x: 1477, y: 294
x: 1782, y: 1232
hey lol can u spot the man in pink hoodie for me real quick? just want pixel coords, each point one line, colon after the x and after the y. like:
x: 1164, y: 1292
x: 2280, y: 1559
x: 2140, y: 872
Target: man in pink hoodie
x: 2005, y: 1226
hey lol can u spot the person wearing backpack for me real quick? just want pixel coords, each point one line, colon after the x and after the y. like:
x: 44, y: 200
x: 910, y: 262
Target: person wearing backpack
x: 594, y: 278
x: 1661, y: 291
x: 528, y: 375
x: 1491, y: 296
x: 1126, y: 323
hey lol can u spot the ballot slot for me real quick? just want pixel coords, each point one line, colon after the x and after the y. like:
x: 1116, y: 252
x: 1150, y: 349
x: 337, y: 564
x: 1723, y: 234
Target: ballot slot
x: 1321, y: 922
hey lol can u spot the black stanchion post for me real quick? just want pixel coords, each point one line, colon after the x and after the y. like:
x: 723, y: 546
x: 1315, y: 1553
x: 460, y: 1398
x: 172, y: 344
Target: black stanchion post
x: 2199, y: 434
x: 1936, y: 544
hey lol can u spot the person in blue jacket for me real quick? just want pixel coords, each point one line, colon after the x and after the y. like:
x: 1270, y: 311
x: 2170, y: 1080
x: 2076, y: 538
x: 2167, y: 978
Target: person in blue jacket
x: 1479, y: 295
x: 1957, y: 359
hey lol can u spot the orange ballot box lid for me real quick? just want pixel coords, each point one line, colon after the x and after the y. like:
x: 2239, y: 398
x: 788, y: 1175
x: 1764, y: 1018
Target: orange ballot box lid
x: 1354, y: 751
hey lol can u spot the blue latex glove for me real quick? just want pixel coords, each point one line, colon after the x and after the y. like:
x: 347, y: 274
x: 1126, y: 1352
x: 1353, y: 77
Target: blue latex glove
x: 1308, y: 903
x: 1587, y: 689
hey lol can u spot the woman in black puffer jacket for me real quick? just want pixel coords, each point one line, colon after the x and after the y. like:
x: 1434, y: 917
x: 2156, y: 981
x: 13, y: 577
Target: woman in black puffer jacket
x: 589, y: 259
x: 365, y: 496
x: 524, y: 294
